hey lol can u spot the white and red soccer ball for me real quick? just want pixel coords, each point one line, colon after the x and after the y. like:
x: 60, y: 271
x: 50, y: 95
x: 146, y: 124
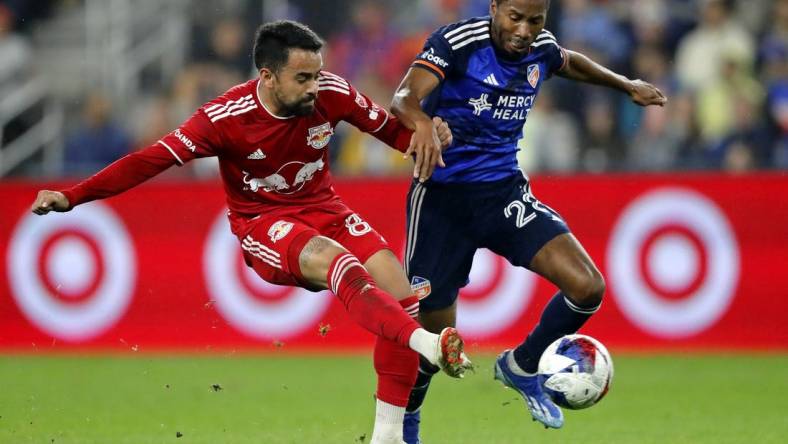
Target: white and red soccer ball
x: 576, y: 371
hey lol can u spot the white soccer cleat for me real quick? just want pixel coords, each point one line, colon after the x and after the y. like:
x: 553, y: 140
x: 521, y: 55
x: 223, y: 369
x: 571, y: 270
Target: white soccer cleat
x: 451, y: 357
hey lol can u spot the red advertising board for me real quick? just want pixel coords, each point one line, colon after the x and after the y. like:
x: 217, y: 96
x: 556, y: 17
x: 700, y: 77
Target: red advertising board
x: 691, y: 262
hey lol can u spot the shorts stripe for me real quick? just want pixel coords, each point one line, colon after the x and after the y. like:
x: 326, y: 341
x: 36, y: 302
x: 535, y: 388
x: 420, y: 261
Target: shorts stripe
x: 273, y: 255
x: 256, y: 251
x: 416, y: 200
x: 261, y: 257
x: 255, y: 243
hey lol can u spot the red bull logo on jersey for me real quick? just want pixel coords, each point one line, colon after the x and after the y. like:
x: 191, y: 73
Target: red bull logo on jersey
x: 279, y: 230
x: 273, y: 182
x: 319, y: 135
x: 533, y: 75
x: 279, y: 182
x: 420, y: 287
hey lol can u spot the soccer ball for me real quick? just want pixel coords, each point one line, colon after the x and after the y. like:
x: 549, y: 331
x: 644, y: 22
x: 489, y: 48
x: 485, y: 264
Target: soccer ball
x: 576, y: 371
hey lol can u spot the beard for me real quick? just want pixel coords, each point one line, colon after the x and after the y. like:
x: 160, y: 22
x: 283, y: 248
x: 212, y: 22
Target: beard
x: 299, y: 108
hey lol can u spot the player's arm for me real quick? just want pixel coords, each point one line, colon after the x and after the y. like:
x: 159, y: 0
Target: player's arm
x: 400, y: 137
x: 363, y: 113
x: 123, y: 174
x: 195, y: 138
x: 579, y: 67
x: 406, y: 105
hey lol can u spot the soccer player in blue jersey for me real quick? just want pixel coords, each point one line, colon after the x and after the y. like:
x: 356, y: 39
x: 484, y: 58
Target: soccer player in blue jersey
x: 482, y: 76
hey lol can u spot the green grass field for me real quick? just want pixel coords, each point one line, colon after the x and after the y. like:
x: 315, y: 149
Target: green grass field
x: 293, y: 399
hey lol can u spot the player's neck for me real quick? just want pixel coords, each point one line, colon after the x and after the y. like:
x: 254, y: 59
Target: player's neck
x: 269, y: 102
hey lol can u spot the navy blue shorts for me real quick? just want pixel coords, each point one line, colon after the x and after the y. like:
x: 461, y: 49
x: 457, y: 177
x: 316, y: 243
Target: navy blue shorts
x: 447, y: 223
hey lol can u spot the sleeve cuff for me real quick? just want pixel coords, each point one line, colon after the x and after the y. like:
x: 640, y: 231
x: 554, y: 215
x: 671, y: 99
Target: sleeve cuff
x: 71, y: 196
x: 429, y: 67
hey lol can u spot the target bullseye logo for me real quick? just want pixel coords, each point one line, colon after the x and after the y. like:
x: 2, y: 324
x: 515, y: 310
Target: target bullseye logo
x: 72, y: 274
x: 245, y: 300
x: 497, y: 295
x: 673, y: 262
x: 71, y: 266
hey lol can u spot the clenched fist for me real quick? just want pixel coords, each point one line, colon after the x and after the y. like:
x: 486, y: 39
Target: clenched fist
x: 47, y: 201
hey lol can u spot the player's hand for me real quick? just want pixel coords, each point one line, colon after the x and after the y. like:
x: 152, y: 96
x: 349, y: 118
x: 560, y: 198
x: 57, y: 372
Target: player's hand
x: 426, y: 145
x: 47, y: 201
x: 444, y: 132
x: 644, y: 93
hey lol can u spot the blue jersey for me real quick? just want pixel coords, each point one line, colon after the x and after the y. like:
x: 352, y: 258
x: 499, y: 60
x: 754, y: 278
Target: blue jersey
x: 484, y: 96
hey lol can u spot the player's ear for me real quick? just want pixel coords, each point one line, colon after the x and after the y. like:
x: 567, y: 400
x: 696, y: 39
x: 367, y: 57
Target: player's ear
x: 267, y: 77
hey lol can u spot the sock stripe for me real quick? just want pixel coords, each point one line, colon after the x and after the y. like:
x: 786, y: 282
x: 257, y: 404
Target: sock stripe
x: 338, y: 262
x: 341, y: 266
x: 581, y: 310
x: 350, y: 264
x: 333, y: 274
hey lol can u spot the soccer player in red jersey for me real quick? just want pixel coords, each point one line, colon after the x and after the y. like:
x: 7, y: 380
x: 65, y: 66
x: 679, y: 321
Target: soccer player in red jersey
x: 270, y: 135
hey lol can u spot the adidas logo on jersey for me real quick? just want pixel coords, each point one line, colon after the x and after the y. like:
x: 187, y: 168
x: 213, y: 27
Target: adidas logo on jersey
x: 257, y: 155
x: 491, y: 80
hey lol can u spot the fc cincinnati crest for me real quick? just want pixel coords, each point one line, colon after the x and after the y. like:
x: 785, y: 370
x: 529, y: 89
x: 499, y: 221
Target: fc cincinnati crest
x: 279, y: 230
x: 533, y: 75
x: 420, y: 287
x: 319, y: 135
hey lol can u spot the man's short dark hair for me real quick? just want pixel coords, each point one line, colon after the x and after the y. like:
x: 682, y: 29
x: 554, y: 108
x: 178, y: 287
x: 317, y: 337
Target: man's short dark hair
x: 498, y: 2
x: 273, y: 42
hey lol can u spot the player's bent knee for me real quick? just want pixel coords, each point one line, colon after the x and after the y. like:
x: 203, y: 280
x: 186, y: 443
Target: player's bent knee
x: 589, y: 290
x: 387, y: 272
x: 316, y: 257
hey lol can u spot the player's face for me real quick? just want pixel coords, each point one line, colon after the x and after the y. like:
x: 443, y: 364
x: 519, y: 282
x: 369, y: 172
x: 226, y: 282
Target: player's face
x: 517, y: 23
x: 294, y: 86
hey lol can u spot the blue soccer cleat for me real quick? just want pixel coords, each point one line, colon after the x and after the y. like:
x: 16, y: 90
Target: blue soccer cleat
x: 410, y: 427
x: 539, y: 404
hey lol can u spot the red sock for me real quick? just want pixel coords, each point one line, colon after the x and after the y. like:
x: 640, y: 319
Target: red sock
x: 369, y: 306
x: 397, y: 367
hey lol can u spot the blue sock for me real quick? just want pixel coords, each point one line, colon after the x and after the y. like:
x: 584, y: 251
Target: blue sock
x: 419, y: 390
x: 560, y: 317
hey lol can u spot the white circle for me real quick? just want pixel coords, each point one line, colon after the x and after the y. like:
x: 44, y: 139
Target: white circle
x: 82, y: 321
x: 673, y: 262
x: 278, y: 319
x: 71, y: 266
x: 701, y: 309
x: 482, y: 271
x: 503, y: 306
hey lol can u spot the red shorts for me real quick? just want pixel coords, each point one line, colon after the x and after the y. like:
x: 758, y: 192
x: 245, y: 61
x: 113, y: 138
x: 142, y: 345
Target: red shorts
x: 272, y: 243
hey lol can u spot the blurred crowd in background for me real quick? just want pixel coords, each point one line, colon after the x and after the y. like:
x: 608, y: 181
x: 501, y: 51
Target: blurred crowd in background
x: 722, y: 63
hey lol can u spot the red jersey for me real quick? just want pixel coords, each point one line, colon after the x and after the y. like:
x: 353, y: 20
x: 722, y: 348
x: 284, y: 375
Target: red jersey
x: 266, y: 161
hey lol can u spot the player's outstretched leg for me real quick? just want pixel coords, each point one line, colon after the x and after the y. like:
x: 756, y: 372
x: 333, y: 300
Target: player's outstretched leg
x: 564, y: 262
x: 379, y: 313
